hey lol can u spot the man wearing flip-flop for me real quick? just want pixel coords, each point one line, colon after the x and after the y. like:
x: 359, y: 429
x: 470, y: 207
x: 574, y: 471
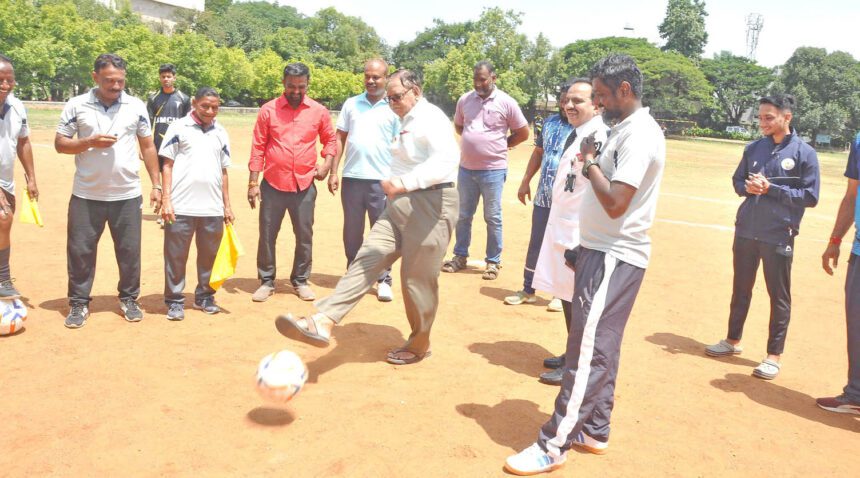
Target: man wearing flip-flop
x: 416, y: 226
x: 778, y: 177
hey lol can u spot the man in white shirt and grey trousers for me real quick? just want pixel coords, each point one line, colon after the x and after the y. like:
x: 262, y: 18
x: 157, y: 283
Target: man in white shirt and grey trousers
x: 416, y: 226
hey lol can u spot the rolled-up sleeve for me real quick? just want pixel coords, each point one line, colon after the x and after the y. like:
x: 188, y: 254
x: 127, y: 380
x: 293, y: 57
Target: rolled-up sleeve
x: 259, y: 141
x: 327, y: 136
x: 68, y: 121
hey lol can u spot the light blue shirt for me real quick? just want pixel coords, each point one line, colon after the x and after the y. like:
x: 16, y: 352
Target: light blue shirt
x: 370, y: 129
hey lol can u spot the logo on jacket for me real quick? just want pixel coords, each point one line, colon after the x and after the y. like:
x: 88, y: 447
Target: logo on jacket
x: 787, y: 164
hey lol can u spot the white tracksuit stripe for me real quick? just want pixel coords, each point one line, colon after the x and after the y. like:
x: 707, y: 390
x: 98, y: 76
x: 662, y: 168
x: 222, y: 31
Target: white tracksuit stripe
x: 586, y: 352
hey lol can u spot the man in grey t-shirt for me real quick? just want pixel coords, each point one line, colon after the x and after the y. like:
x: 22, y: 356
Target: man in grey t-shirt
x: 616, y: 213
x: 103, y: 128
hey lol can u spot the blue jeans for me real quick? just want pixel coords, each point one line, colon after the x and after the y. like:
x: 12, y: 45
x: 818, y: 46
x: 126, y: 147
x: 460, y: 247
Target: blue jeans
x: 472, y: 185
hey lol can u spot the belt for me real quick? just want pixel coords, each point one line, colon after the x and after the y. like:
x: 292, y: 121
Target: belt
x: 438, y: 186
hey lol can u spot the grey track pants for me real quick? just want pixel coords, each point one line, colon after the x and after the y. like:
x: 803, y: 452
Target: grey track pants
x: 207, y: 232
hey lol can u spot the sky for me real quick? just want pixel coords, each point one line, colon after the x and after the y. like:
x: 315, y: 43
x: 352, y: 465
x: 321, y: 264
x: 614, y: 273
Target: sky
x: 788, y: 24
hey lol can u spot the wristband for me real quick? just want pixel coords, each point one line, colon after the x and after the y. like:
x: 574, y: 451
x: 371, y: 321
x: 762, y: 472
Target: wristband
x: 252, y: 184
x: 835, y: 241
x: 157, y: 186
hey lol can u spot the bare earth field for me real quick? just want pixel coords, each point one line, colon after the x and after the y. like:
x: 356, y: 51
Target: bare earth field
x: 158, y: 398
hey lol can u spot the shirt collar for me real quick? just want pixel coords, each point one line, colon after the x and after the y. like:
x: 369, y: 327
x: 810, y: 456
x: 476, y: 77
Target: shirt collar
x: 95, y: 99
x: 196, y: 122
x: 283, y: 103
x: 419, y: 105
x: 363, y: 97
x: 492, y: 94
x: 633, y: 117
x: 591, y: 125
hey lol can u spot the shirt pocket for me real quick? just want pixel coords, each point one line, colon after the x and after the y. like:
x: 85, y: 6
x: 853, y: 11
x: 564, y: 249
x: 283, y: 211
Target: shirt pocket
x: 494, y: 120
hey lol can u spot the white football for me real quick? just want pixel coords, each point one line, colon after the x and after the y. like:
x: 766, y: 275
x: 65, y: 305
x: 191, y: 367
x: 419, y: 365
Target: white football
x: 13, y: 314
x: 280, y: 376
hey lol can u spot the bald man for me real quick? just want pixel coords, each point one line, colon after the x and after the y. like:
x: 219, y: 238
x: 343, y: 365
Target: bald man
x: 365, y: 128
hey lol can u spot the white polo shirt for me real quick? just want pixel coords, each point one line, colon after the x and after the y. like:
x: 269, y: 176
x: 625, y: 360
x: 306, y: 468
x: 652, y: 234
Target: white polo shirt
x: 634, y: 154
x: 198, y: 155
x: 370, y: 130
x: 13, y: 126
x: 425, y: 153
x: 106, y: 174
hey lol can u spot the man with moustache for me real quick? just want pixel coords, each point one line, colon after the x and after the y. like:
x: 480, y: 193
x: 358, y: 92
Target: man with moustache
x: 482, y: 119
x: 616, y: 213
x: 284, y: 150
x: 14, y: 141
x: 104, y: 128
x: 365, y: 128
x: 416, y: 226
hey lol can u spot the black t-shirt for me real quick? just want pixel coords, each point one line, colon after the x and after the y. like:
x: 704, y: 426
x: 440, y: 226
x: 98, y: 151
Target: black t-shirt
x: 165, y: 108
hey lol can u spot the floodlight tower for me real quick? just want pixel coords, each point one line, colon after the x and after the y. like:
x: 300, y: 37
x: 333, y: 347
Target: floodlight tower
x: 755, y: 22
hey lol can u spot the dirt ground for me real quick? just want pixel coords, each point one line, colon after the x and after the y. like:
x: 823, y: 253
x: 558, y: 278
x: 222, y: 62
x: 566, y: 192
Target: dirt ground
x: 159, y: 398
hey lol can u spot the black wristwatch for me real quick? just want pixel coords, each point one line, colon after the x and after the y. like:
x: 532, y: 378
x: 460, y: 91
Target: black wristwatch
x: 588, y: 164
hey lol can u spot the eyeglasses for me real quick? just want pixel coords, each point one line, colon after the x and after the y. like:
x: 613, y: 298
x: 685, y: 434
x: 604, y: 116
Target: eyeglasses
x: 398, y: 97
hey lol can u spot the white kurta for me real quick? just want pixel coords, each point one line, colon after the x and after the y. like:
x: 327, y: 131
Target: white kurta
x: 562, y: 228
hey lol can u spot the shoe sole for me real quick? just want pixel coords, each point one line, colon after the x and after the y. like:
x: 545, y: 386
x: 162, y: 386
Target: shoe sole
x: 520, y: 302
x: 288, y: 327
x: 307, y: 298
x: 175, y: 319
x: 262, y: 299
x: 549, y: 382
x: 846, y: 411
x: 590, y: 449
x: 384, y: 298
x: 553, y: 309
x: 513, y: 470
x: 75, y: 326
x: 721, y: 354
x: 764, y: 376
x: 196, y: 307
x: 127, y: 318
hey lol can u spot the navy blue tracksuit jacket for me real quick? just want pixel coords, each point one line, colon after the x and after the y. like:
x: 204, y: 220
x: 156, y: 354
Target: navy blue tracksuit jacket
x: 792, y: 169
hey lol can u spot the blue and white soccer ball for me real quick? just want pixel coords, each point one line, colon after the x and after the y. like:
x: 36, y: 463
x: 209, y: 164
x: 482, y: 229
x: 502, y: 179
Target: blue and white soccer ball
x: 280, y: 376
x: 13, y: 314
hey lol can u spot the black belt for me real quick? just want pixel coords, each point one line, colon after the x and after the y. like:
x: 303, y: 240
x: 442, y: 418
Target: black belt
x: 438, y: 186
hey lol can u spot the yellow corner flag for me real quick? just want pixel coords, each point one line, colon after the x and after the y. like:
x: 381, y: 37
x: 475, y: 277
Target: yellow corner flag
x: 225, y: 261
x: 30, y: 212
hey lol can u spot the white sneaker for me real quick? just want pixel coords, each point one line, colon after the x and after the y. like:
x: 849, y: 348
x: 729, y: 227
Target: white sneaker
x: 384, y: 293
x: 554, y: 305
x: 532, y: 461
x: 589, y: 444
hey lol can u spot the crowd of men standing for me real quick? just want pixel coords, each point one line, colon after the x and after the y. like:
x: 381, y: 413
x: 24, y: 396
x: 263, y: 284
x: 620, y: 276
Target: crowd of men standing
x: 404, y: 171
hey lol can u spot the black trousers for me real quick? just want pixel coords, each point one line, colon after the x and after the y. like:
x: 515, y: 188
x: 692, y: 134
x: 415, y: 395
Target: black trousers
x: 86, y: 223
x: 776, y: 261
x: 274, y: 204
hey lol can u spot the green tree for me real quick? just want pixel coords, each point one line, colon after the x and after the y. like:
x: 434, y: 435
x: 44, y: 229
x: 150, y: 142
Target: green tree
x: 268, y: 75
x: 684, y: 27
x: 143, y: 50
x: 673, y: 86
x: 288, y: 42
x: 194, y: 56
x: 342, y: 42
x: 431, y: 44
x: 738, y: 82
x: 827, y: 89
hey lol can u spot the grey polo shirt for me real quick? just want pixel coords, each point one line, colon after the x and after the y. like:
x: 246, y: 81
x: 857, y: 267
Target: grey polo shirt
x: 106, y: 174
x: 13, y: 125
x: 199, y: 156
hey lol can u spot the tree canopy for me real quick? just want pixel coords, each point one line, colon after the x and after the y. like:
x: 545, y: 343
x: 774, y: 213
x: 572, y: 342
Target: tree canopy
x: 684, y: 27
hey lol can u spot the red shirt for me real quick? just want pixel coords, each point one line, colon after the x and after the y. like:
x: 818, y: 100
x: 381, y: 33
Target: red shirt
x: 284, y: 143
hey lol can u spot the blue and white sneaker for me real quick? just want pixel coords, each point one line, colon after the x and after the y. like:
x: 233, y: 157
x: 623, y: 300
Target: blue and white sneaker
x: 533, y: 460
x: 589, y: 444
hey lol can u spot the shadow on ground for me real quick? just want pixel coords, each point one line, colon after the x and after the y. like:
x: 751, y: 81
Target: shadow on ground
x: 356, y: 343
x: 678, y: 344
x: 270, y: 416
x: 790, y: 401
x: 521, y: 357
x: 510, y: 423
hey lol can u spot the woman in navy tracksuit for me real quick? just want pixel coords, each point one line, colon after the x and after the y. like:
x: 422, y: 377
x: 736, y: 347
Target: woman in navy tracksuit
x: 779, y: 178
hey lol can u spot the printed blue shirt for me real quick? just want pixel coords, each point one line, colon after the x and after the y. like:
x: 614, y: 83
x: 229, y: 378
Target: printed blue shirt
x: 551, y: 138
x: 852, y: 171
